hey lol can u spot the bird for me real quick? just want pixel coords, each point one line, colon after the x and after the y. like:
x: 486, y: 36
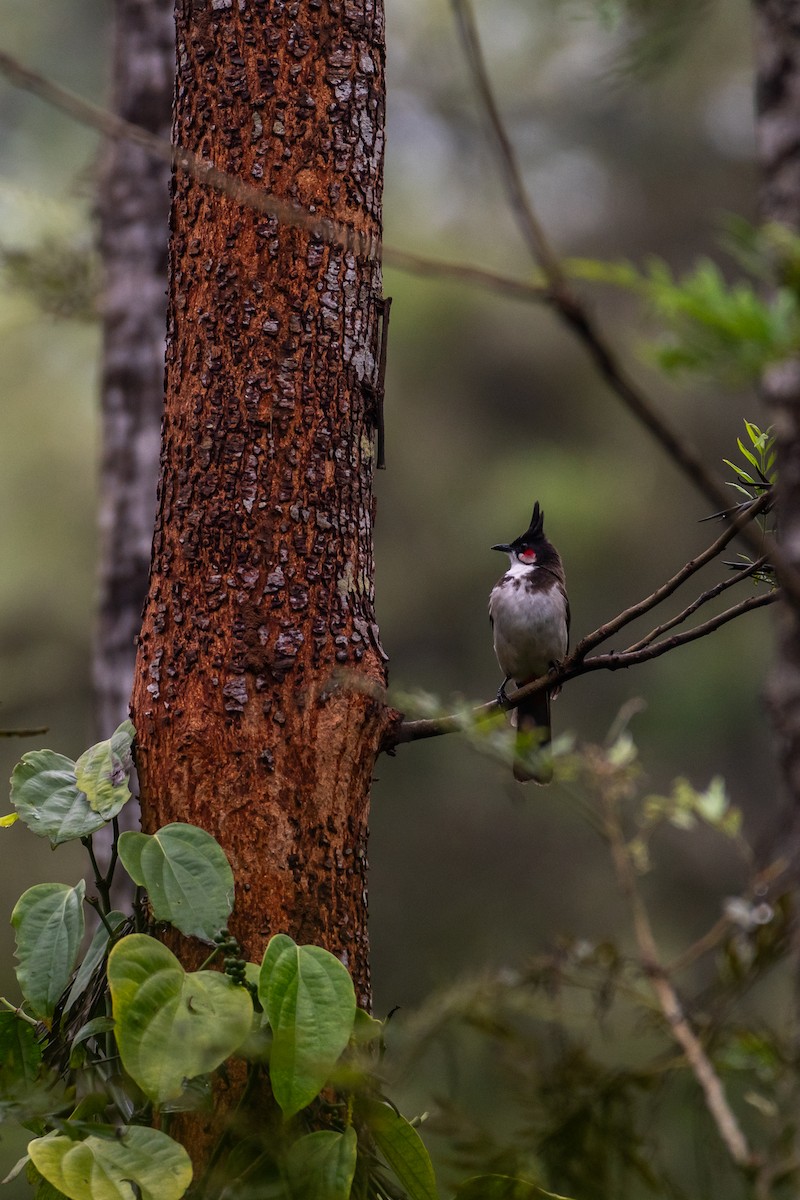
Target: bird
x: 529, y: 613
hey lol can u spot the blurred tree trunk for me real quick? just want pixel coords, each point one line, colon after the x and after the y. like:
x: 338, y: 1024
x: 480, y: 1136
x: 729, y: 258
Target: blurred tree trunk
x: 133, y: 212
x: 778, y: 139
x: 259, y: 655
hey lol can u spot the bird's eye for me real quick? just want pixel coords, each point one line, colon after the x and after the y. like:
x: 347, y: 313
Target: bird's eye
x: 527, y: 555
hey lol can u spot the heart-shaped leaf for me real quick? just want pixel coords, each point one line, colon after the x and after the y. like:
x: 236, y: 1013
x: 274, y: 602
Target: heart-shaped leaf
x: 110, y: 1168
x: 48, y: 919
x: 45, y: 793
x: 171, y: 1025
x: 102, y: 772
x: 310, y: 1003
x: 186, y: 874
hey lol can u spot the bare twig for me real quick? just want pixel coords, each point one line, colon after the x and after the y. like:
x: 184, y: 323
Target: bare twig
x: 710, y: 594
x: 700, y: 1064
x: 603, y: 632
x: 112, y: 126
x: 200, y: 169
x: 527, y: 220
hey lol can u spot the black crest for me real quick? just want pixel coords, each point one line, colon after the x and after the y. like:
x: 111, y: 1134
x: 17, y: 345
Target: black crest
x: 535, y: 531
x: 533, y: 535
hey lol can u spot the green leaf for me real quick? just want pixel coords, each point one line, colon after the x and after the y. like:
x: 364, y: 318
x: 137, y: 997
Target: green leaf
x: 171, y: 1025
x: 45, y: 793
x: 403, y: 1149
x: 322, y: 1165
x: 187, y: 876
x: 366, y: 1028
x: 93, y: 957
x: 310, y: 1003
x: 20, y: 1058
x: 48, y: 919
x: 276, y: 946
x: 502, y: 1187
x: 102, y: 772
x: 110, y: 1168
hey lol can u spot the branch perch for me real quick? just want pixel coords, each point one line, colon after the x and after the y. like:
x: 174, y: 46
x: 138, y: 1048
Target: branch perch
x: 647, y: 648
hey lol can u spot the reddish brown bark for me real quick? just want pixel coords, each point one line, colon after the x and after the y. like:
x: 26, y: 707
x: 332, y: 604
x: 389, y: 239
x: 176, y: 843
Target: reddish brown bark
x: 259, y: 645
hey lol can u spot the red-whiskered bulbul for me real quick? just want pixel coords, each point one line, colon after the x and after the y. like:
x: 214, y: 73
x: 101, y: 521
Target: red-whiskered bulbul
x: 529, y: 612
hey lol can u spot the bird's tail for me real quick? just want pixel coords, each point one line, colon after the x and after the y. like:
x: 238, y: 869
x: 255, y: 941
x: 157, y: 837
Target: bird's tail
x: 533, y: 736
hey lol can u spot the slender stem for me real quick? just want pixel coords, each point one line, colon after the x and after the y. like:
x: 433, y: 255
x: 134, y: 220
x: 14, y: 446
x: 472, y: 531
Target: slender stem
x: 14, y: 1008
x: 100, y: 879
x: 710, y: 594
x: 98, y: 908
x: 519, y: 199
x: 112, y: 862
x: 603, y: 632
x: 700, y: 1064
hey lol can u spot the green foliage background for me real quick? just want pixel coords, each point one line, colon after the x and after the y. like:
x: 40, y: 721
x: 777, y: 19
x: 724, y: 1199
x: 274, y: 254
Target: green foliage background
x: 490, y: 405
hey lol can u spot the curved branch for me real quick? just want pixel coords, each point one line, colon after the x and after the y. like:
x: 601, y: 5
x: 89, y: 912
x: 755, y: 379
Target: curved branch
x: 710, y: 594
x: 603, y: 632
x: 558, y: 296
x: 572, y: 668
x: 576, y: 316
x: 519, y: 199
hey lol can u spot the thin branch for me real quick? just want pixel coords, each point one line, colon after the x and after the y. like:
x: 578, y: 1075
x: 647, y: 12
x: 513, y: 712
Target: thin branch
x: 603, y: 632
x: 576, y: 316
x: 559, y: 297
x: 494, y: 281
x: 112, y: 126
x: 710, y: 594
x: 520, y: 202
x: 572, y: 668
x: 700, y: 1064
x: 614, y: 662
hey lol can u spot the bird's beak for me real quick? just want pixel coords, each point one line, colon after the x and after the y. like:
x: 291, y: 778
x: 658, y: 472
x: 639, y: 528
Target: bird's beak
x: 503, y: 547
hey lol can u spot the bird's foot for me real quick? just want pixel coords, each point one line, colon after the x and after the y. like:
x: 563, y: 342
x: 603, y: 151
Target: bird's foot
x: 502, y: 698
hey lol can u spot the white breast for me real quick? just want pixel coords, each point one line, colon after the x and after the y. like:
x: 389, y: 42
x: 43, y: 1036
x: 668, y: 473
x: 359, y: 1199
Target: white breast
x: 530, y: 629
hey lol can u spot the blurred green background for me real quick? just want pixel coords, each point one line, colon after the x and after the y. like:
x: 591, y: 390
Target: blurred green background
x: 630, y: 149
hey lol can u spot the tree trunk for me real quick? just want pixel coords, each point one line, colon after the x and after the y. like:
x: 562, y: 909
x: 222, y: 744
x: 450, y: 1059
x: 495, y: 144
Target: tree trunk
x: 778, y: 138
x: 133, y: 212
x: 259, y: 659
